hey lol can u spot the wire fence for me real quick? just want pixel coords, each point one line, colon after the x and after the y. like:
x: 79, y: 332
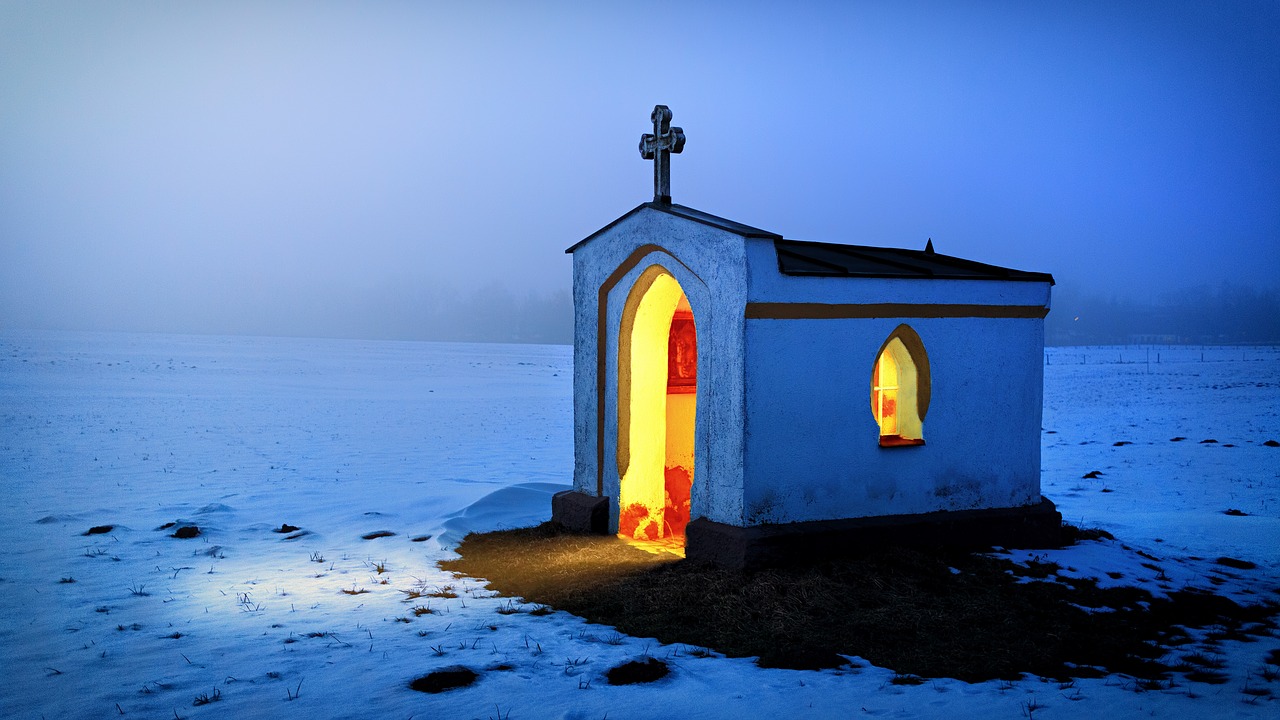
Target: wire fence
x: 1158, y: 354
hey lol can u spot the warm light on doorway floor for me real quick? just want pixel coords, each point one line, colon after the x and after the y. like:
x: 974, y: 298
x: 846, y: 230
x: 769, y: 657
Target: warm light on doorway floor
x: 667, y: 545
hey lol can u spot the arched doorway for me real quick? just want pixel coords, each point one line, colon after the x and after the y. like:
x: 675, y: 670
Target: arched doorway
x: 657, y: 407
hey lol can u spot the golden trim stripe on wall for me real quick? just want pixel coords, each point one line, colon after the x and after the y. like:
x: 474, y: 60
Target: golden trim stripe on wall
x: 825, y: 311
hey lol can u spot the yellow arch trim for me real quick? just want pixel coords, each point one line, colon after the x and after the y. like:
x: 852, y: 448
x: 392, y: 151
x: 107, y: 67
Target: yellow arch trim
x: 602, y: 340
x: 668, y: 292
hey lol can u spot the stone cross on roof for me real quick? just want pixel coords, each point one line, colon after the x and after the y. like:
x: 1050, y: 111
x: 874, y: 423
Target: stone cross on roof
x: 658, y: 147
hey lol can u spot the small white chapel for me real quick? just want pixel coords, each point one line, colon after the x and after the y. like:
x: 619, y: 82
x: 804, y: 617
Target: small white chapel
x: 750, y: 400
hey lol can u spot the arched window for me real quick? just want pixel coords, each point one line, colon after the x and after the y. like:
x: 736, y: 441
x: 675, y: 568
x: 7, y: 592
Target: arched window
x: 900, y: 388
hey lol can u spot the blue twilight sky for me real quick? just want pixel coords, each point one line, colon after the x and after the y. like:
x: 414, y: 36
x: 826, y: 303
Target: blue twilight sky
x: 314, y: 168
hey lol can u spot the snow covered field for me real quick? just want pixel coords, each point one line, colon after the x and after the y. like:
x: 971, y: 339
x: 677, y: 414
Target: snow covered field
x: 343, y: 439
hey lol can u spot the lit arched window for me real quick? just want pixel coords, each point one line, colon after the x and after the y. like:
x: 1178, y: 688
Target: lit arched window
x: 900, y: 388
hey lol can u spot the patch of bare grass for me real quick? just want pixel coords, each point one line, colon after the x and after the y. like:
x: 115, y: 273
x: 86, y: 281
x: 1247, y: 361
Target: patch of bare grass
x: 634, y: 672
x: 900, y: 608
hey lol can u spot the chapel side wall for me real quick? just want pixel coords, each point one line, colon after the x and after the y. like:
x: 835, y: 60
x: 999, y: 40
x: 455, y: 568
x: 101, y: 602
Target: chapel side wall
x: 708, y: 263
x: 812, y: 441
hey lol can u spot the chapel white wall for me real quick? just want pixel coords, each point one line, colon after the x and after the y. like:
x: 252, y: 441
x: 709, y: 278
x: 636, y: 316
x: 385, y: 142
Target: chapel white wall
x: 813, y: 444
x: 710, y: 266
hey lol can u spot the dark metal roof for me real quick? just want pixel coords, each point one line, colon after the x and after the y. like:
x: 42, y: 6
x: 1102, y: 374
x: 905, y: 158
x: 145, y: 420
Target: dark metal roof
x: 687, y: 213
x: 816, y: 259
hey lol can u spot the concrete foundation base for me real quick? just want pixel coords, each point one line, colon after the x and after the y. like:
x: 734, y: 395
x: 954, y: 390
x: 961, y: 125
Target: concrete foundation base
x: 1034, y: 526
x: 581, y: 513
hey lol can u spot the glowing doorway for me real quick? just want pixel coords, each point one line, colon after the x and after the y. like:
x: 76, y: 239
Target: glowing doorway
x: 657, y: 404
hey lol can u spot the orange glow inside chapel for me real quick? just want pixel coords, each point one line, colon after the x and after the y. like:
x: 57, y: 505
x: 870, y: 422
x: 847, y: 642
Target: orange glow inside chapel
x: 660, y: 402
x: 894, y: 396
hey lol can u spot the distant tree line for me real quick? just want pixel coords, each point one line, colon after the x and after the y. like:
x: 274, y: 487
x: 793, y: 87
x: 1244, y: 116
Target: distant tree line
x: 1228, y: 314
x: 1222, y: 315
x: 490, y: 314
x: 423, y: 311
x: 494, y: 314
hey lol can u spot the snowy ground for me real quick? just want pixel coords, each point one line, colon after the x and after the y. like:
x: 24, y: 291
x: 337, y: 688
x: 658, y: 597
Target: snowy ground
x: 345, y: 438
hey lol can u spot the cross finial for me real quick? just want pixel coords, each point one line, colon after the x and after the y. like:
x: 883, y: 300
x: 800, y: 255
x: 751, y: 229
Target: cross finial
x: 658, y: 147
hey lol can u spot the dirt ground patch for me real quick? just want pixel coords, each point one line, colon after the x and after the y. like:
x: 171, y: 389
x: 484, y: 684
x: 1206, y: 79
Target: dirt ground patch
x: 932, y: 613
